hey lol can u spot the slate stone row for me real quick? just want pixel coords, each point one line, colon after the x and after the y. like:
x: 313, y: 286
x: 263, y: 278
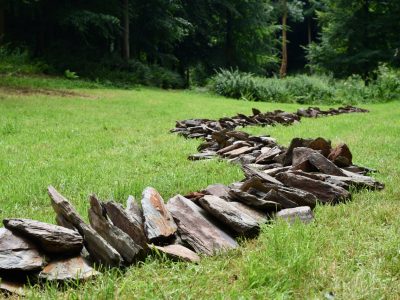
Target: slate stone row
x: 204, y: 128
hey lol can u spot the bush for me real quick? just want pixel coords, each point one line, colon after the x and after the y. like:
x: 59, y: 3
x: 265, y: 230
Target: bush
x: 306, y: 89
x: 18, y: 61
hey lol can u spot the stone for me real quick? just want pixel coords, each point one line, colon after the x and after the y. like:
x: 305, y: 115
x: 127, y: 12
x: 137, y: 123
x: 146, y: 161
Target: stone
x: 117, y: 238
x: 121, y: 219
x: 253, y: 201
x: 61, y: 221
x: 324, y: 146
x: 158, y: 223
x: 238, y: 152
x: 325, y: 192
x: 52, y: 239
x: 196, y: 230
x: 269, y: 155
x: 250, y: 172
x: 100, y: 251
x: 203, y: 155
x: 218, y: 190
x: 179, y: 253
x: 341, y: 156
x: 324, y: 165
x: 234, y: 218
x: 70, y: 269
x: 11, y: 288
x: 295, y: 143
x: 134, y: 211
x: 257, y: 215
x: 301, y: 154
x: 18, y: 254
x: 301, y: 213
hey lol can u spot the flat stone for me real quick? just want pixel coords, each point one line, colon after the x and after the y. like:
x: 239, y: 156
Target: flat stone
x: 179, y: 252
x: 324, y: 165
x: 218, y: 190
x: 268, y: 155
x: 18, y: 254
x: 158, y: 223
x: 253, y: 201
x: 118, y: 239
x: 295, y: 143
x: 75, y: 268
x: 257, y: 215
x: 51, y: 238
x: 203, y: 155
x: 100, y: 251
x: 301, y: 213
x: 325, y: 192
x: 196, y: 230
x: 250, y: 172
x: 300, y: 155
x: 11, y: 288
x: 234, y: 218
x: 238, y: 152
x: 134, y: 211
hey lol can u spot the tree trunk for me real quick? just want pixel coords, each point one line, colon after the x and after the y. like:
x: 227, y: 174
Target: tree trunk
x: 229, y: 40
x: 309, y: 30
x: 125, y: 45
x: 283, y: 70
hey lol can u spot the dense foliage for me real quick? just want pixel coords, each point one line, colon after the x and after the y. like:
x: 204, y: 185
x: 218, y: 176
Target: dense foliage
x: 307, y: 89
x: 174, y: 43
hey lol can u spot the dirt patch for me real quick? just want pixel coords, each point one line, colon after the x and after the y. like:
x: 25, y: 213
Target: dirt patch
x: 28, y: 91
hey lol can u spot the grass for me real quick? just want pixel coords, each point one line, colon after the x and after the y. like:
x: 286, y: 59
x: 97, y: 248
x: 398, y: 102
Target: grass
x: 116, y: 142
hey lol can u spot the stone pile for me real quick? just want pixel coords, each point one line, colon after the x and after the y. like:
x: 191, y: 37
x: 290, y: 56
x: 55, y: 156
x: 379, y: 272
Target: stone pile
x: 279, y: 182
x: 204, y: 128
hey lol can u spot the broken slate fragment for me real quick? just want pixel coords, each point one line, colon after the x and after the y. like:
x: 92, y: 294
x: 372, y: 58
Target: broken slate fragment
x: 234, y: 218
x: 194, y: 229
x: 51, y: 238
x: 179, y: 252
x: 18, y: 254
x: 158, y: 223
x: 75, y: 268
x: 302, y: 213
x: 218, y: 190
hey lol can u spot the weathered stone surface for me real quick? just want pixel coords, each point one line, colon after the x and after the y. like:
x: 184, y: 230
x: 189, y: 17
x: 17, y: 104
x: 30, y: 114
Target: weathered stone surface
x: 257, y: 215
x: 295, y: 143
x: 301, y: 154
x: 218, y: 190
x: 196, y: 230
x: 275, y: 196
x: 325, y: 192
x: 253, y: 201
x: 238, y: 152
x: 268, y: 155
x: 250, y: 172
x: 118, y: 239
x: 51, y: 238
x: 302, y: 213
x: 120, y: 218
x: 179, y: 252
x: 61, y: 221
x: 158, y: 223
x: 75, y: 268
x: 10, y: 288
x: 100, y: 251
x: 322, y: 145
x: 341, y: 155
x: 356, y: 180
x: 203, y: 155
x: 234, y: 218
x: 135, y: 212
x: 18, y: 254
x: 324, y: 165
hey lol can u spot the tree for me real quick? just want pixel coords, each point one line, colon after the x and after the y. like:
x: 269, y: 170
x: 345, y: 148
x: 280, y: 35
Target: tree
x: 356, y: 36
x: 126, y: 40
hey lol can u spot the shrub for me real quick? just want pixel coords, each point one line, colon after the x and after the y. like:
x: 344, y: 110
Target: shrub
x: 18, y: 61
x: 306, y: 89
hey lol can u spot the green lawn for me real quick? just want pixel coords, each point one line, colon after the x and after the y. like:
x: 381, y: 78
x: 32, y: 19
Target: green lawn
x: 116, y: 142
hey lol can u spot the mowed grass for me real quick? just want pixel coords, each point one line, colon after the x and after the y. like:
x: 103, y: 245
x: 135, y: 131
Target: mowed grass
x: 115, y: 143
